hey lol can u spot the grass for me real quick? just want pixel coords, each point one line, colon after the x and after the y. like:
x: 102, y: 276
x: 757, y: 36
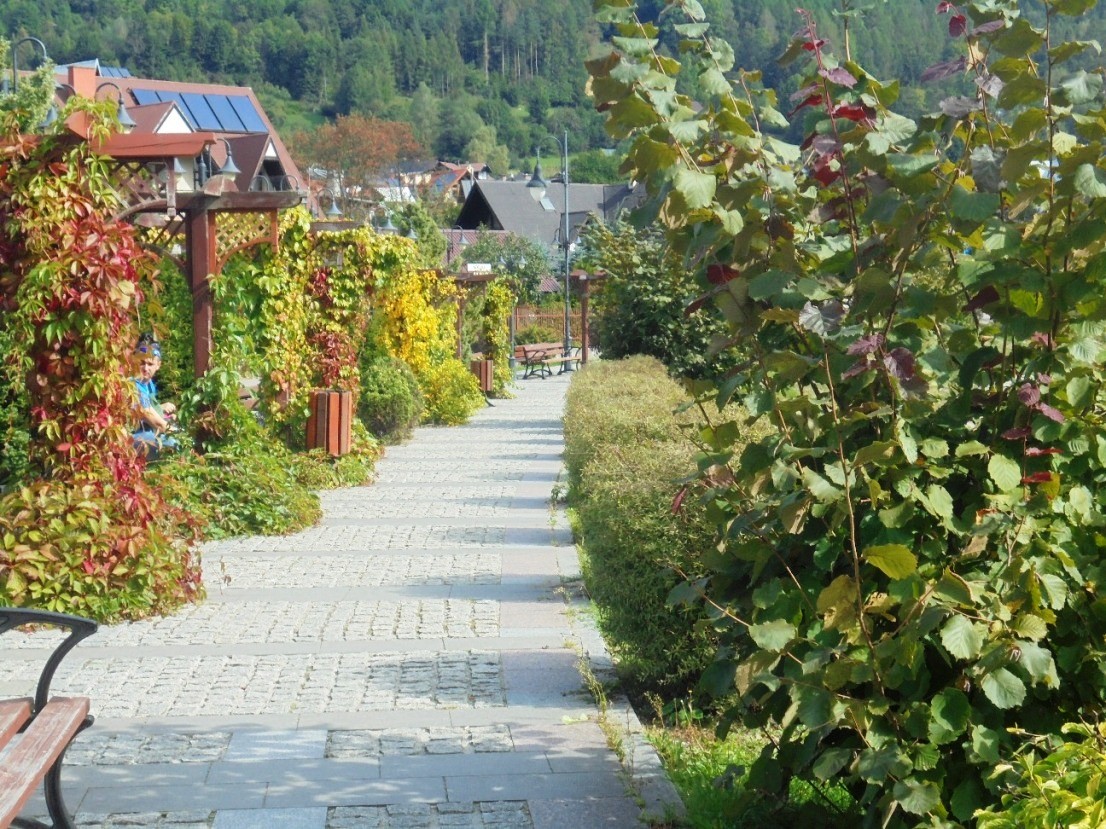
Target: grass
x: 710, y: 775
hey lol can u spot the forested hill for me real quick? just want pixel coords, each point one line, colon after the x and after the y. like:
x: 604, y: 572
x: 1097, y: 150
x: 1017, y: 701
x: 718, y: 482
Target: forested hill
x: 455, y: 69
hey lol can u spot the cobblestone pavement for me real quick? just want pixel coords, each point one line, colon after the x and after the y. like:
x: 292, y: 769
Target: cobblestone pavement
x: 410, y: 662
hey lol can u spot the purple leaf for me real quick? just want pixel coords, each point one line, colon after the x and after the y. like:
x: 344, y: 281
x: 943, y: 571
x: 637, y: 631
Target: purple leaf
x: 899, y: 362
x: 1037, y: 478
x: 959, y: 106
x: 822, y: 319
x: 1051, y: 413
x: 944, y: 70
x: 1037, y: 451
x: 958, y: 24
x: 991, y: 85
x: 839, y: 76
x: 805, y: 92
x: 1017, y: 433
x: 1029, y: 395
x: 858, y: 368
x: 983, y: 298
x: 987, y: 28
x: 866, y: 345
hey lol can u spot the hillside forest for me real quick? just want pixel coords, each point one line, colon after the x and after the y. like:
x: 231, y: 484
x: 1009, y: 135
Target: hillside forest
x: 473, y: 78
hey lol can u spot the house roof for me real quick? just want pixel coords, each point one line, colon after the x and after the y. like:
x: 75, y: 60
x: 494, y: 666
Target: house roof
x: 228, y: 112
x: 508, y: 205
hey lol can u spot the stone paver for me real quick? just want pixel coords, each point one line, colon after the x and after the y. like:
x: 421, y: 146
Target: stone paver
x: 410, y: 662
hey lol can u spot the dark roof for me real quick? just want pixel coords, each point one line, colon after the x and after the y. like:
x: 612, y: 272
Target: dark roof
x: 508, y: 205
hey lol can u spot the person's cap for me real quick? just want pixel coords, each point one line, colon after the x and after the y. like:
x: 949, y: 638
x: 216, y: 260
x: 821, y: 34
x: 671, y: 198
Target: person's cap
x: 151, y: 348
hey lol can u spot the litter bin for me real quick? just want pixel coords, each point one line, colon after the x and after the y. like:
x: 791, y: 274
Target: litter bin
x: 328, y: 423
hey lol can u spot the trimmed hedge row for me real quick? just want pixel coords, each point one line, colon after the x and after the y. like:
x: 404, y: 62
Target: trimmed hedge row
x: 624, y: 451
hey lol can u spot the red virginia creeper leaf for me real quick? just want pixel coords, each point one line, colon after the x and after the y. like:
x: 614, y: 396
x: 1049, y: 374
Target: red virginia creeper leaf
x: 958, y: 24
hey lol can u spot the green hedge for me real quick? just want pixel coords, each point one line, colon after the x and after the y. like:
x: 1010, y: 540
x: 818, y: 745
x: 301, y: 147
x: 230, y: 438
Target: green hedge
x: 624, y: 451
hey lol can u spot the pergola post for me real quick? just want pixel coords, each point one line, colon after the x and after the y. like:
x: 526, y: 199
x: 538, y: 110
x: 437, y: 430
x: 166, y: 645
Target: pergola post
x: 585, y: 333
x: 200, y: 230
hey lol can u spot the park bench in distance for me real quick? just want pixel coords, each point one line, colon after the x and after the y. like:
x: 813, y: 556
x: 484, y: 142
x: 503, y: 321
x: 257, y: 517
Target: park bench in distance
x: 37, y: 732
x: 538, y: 359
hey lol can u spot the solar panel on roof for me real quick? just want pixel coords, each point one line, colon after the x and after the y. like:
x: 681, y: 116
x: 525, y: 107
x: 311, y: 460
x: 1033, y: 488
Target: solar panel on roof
x: 145, y: 96
x: 205, y: 118
x: 114, y: 72
x: 229, y: 119
x: 245, y: 109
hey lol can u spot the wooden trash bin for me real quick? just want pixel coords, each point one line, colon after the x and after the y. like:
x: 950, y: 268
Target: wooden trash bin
x: 485, y: 374
x: 329, y: 421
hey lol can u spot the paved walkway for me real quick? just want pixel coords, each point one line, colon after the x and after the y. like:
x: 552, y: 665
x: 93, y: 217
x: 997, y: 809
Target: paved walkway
x: 410, y: 662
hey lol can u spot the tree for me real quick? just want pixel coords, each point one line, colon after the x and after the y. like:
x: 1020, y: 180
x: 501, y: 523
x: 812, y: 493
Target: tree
x: 523, y: 261
x: 355, y: 149
x: 483, y: 146
x: 906, y: 568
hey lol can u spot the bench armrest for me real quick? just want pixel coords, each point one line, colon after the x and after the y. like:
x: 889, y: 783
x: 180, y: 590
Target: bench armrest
x: 79, y: 628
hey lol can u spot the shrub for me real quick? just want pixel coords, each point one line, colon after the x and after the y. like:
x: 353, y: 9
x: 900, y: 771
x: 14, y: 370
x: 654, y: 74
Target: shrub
x: 94, y: 549
x: 391, y: 402
x: 910, y: 564
x: 624, y: 450
x: 537, y: 333
x: 248, y: 486
x: 641, y: 307
x: 452, y: 393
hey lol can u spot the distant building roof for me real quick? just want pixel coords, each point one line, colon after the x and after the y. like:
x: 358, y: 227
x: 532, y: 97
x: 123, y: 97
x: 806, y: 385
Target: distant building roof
x: 508, y: 205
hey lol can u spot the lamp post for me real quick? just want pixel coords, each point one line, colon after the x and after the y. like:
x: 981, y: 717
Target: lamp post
x: 205, y: 166
x: 121, y: 114
x: 15, y: 57
x: 334, y: 211
x: 537, y: 186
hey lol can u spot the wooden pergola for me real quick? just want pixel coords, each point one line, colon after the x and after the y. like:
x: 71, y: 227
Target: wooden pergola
x: 215, y: 219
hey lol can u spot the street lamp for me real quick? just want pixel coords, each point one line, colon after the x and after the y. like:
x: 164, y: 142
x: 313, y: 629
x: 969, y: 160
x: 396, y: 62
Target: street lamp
x: 121, y: 114
x: 537, y: 187
x: 205, y: 166
x: 15, y: 57
x: 334, y: 211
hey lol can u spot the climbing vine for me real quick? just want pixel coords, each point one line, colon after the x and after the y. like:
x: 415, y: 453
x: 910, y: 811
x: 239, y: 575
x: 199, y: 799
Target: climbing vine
x: 81, y: 530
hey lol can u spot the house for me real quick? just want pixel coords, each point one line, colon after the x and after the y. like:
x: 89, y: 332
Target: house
x: 189, y: 153
x: 231, y: 115
x: 510, y: 206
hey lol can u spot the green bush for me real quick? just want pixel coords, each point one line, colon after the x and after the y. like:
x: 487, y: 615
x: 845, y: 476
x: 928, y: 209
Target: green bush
x: 94, y: 549
x: 537, y: 333
x: 249, y: 486
x: 624, y: 451
x: 451, y: 392
x: 391, y: 402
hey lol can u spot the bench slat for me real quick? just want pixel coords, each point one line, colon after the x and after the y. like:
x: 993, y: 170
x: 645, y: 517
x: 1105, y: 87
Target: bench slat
x: 13, y: 713
x: 41, y: 744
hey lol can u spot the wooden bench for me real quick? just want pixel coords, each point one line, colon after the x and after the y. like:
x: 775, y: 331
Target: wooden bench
x: 36, y: 732
x: 538, y: 359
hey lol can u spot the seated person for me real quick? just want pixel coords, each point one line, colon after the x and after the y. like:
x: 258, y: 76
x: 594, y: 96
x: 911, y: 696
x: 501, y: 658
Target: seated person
x: 156, y: 418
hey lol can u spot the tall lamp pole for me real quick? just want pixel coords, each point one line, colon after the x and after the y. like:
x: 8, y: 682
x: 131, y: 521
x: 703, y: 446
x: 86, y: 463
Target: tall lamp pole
x: 537, y: 186
x: 15, y: 57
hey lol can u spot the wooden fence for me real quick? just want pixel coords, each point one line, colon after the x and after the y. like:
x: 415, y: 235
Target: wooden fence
x: 554, y: 320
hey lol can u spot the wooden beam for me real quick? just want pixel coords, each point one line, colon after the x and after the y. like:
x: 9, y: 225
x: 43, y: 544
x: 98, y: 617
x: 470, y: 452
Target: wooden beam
x: 200, y: 234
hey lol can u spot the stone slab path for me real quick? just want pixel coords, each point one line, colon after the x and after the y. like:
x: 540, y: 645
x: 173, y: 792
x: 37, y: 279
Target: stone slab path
x: 413, y: 661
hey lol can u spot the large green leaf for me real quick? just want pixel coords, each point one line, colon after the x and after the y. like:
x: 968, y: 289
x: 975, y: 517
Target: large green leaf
x: 1003, y: 688
x: 1006, y: 474
x: 961, y: 637
x: 895, y: 560
x: 972, y: 207
x: 696, y: 187
x: 773, y: 636
x: 1090, y: 181
x: 916, y: 796
x: 949, y: 714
